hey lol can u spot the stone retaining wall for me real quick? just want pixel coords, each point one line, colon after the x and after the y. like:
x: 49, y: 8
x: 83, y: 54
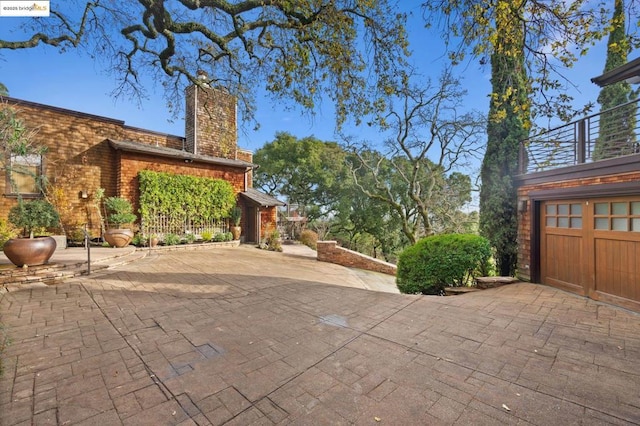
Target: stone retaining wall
x: 329, y: 251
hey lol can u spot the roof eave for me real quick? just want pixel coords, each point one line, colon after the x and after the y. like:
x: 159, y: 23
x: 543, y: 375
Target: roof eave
x: 179, y: 155
x: 624, y: 72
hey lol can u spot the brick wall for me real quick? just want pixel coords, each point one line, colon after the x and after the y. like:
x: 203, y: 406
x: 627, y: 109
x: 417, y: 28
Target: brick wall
x: 329, y: 251
x: 524, y: 218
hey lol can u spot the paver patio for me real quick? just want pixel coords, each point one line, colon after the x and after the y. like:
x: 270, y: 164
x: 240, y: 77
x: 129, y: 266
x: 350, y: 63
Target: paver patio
x: 243, y: 336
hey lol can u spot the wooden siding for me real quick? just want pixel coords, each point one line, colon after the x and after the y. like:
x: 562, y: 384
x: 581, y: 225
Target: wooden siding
x: 79, y: 158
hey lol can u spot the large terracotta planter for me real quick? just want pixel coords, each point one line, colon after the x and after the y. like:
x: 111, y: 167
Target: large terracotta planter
x: 118, y: 237
x: 29, y: 251
x: 236, y: 231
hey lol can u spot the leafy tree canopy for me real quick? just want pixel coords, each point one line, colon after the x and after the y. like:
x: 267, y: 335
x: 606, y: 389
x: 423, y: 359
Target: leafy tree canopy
x: 298, y: 47
x: 550, y: 35
x: 308, y: 171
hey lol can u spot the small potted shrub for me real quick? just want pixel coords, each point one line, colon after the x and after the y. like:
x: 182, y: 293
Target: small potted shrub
x: 31, y: 216
x: 119, y: 216
x: 236, y: 218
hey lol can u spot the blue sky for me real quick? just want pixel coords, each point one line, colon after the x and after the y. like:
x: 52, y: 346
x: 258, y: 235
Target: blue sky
x: 74, y: 81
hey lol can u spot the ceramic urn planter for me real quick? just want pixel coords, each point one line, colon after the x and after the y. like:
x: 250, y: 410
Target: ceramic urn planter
x: 30, y: 251
x: 118, y: 237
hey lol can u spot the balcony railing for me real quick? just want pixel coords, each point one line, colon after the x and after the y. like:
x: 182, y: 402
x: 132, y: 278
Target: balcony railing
x: 608, y: 134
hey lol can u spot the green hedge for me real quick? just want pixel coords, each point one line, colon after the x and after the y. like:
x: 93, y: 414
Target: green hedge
x: 182, y: 196
x: 440, y: 261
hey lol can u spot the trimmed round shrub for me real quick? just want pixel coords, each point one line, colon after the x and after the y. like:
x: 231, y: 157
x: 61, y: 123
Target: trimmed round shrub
x: 309, y: 238
x: 440, y: 261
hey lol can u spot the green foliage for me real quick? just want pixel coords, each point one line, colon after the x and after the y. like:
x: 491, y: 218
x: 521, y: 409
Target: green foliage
x: 139, y: 240
x: 272, y: 242
x: 219, y: 237
x: 171, y: 239
x: 32, y: 215
x: 309, y: 238
x: 308, y: 172
x: 6, y: 232
x: 181, y: 197
x: 508, y: 126
x: 190, y: 238
x: 439, y: 261
x: 206, y: 235
x: 119, y: 210
x: 617, y: 135
x: 228, y: 236
x: 303, y: 51
x: 236, y: 216
x: 550, y: 35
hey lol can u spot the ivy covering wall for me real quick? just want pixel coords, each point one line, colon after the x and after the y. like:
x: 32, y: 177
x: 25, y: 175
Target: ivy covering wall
x: 181, y: 197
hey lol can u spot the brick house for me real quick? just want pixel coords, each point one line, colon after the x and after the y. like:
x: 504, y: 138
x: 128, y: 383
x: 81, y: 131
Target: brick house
x: 87, y: 152
x: 579, y: 214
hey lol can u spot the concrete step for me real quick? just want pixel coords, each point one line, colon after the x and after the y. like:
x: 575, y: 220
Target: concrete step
x: 54, y: 273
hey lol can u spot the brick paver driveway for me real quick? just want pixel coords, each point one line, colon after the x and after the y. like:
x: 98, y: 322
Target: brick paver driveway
x: 243, y: 336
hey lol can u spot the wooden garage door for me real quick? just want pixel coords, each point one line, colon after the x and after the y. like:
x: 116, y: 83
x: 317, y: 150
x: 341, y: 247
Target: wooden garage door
x: 592, y: 247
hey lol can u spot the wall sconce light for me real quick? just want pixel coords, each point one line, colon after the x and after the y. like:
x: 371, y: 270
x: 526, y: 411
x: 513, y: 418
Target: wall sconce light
x: 84, y: 194
x: 523, y: 205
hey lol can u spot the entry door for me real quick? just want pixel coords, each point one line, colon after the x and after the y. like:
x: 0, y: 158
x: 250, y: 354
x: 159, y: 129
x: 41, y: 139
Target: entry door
x: 251, y: 232
x: 592, y: 247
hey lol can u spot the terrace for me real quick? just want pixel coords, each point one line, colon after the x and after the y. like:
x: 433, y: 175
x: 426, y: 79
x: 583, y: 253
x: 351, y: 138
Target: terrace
x: 606, y: 135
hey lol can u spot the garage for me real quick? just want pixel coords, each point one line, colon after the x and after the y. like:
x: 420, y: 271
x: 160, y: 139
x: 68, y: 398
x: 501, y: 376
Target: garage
x: 592, y: 247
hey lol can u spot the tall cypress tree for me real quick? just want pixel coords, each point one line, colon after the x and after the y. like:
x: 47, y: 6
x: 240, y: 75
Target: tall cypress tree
x: 617, y: 128
x: 508, y: 125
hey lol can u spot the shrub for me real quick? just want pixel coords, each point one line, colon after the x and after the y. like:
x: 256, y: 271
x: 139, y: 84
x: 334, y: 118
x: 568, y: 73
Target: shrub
x: 436, y: 262
x: 309, y: 238
x: 33, y: 216
x: 273, y: 241
x: 219, y: 237
x: 120, y: 210
x: 190, y: 238
x: 171, y: 239
x: 228, y: 236
x: 206, y: 235
x: 139, y: 240
x: 6, y: 232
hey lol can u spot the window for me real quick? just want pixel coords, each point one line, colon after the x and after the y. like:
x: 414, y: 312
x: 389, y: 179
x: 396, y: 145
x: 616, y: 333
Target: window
x: 24, y: 175
x: 621, y: 216
x: 564, y: 215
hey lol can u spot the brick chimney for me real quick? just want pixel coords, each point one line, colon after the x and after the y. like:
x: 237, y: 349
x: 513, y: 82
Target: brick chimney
x: 210, y: 121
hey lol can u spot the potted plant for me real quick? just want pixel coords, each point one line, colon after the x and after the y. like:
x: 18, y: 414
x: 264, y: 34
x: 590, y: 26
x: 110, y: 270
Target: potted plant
x: 119, y: 213
x: 31, y: 216
x: 236, y: 217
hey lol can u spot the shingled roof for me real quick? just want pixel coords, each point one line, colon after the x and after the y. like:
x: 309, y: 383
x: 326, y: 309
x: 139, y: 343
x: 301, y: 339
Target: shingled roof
x: 260, y: 198
x: 162, y: 151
